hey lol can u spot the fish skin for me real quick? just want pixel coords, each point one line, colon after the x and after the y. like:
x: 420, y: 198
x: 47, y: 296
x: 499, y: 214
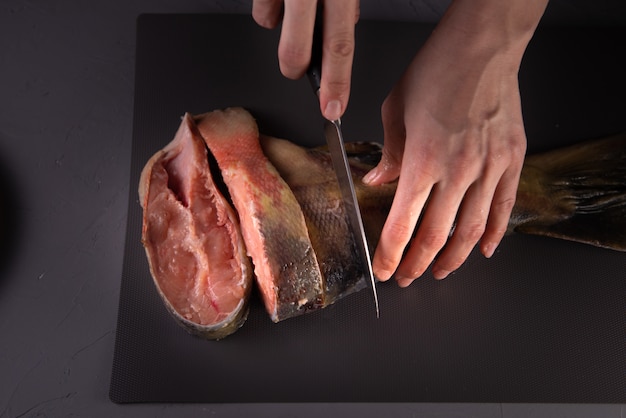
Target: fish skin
x: 174, y: 190
x: 324, y: 214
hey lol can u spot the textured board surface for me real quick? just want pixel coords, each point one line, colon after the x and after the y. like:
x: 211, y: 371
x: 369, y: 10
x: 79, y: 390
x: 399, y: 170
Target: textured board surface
x: 542, y: 321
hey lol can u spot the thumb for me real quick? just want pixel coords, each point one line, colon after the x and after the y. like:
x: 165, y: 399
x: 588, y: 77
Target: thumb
x: 388, y: 169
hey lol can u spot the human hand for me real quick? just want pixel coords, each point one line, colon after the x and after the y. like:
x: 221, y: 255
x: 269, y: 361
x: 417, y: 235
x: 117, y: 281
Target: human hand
x: 296, y: 38
x: 454, y: 138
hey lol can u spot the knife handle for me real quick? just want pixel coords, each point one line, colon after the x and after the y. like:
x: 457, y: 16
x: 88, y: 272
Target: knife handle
x: 314, y: 72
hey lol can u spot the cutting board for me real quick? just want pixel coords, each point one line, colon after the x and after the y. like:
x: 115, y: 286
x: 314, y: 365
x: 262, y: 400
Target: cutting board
x: 542, y: 321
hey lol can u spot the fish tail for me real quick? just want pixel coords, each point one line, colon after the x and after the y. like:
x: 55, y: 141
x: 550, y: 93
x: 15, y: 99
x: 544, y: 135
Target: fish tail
x: 576, y: 193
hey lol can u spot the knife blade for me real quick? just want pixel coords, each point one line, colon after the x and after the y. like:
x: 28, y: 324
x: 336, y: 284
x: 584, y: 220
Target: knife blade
x: 335, y: 142
x: 334, y: 139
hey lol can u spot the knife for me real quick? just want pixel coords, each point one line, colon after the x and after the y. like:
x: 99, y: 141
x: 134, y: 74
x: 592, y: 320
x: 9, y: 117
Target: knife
x: 334, y: 140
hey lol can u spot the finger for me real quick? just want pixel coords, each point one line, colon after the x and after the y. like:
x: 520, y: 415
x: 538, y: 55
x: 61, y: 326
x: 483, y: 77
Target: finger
x: 294, y: 47
x: 388, y: 169
x: 469, y: 229
x: 338, y: 52
x: 407, y: 205
x: 432, y: 233
x: 500, y: 211
x: 266, y: 13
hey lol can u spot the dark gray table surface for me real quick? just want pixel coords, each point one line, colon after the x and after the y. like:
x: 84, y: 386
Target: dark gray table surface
x: 66, y: 89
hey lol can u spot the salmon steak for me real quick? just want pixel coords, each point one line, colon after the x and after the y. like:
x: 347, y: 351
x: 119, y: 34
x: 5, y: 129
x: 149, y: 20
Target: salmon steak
x: 226, y: 208
x: 193, y: 240
x: 273, y: 226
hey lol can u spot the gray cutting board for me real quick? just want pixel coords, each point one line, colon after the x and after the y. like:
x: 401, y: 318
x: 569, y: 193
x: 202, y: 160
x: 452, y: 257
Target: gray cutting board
x: 542, y: 321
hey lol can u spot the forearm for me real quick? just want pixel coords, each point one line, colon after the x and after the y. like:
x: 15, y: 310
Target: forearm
x: 474, y: 55
x: 485, y: 28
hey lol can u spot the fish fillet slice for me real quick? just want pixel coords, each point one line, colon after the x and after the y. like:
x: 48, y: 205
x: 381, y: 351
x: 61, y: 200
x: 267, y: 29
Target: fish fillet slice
x: 273, y: 226
x: 192, y: 239
x: 317, y: 191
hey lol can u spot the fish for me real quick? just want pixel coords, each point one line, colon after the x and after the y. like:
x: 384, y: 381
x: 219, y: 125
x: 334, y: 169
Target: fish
x: 192, y: 239
x: 285, y: 202
x: 575, y: 193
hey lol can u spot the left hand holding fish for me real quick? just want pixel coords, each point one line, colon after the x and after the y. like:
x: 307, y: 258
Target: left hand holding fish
x: 454, y: 137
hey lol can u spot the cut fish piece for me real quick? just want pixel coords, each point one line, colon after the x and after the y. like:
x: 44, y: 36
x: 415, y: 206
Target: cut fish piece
x: 273, y: 226
x: 192, y: 238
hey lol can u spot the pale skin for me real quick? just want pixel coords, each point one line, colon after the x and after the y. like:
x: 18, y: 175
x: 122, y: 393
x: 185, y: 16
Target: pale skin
x: 453, y: 129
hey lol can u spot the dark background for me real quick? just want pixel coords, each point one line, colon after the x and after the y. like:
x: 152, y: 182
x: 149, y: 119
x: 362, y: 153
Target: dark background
x: 66, y: 112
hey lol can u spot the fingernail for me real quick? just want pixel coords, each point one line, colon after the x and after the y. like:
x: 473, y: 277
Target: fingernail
x: 490, y: 249
x: 404, y: 282
x: 371, y: 176
x: 440, y: 274
x: 333, y: 110
x: 383, y: 276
